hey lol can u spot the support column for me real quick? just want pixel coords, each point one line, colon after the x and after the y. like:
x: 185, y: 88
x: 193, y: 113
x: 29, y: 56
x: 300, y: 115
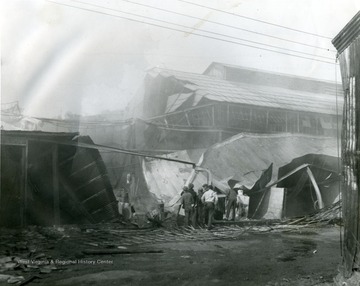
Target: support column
x: 56, y: 195
x: 25, y: 193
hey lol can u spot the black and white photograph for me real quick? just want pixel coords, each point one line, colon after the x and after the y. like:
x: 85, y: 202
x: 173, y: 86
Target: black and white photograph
x: 180, y: 142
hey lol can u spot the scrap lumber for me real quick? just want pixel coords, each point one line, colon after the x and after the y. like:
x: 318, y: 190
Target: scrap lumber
x: 324, y: 215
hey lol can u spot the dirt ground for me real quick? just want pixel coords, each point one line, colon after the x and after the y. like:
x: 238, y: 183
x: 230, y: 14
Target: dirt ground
x: 266, y: 256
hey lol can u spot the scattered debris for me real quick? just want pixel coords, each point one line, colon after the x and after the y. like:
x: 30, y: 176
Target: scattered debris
x: 30, y: 279
x: 10, y: 278
x: 327, y: 215
x: 118, y: 251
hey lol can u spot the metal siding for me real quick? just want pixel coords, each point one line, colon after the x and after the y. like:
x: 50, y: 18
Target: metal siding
x: 350, y: 69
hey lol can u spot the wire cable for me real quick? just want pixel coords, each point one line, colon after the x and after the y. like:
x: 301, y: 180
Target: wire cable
x: 220, y: 24
x: 205, y: 31
x: 253, y: 19
x: 182, y: 31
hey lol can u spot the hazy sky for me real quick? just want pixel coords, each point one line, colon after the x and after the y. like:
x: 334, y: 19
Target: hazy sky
x: 57, y: 59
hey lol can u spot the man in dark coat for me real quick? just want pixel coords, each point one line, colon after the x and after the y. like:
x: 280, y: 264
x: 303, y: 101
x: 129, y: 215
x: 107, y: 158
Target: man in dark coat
x: 187, y: 202
x: 231, y: 204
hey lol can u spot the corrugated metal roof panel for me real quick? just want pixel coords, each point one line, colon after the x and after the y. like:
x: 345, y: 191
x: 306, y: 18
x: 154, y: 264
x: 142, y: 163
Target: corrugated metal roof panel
x: 242, y: 157
x: 176, y: 100
x: 266, y: 96
x: 347, y: 34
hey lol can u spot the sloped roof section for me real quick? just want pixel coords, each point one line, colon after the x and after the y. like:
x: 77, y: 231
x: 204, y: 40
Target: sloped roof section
x: 245, y: 156
x: 249, y: 94
x: 243, y: 74
x: 242, y: 157
x: 177, y: 100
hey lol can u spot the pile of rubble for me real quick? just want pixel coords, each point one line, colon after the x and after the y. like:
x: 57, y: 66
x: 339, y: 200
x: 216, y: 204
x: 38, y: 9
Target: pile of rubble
x: 327, y: 215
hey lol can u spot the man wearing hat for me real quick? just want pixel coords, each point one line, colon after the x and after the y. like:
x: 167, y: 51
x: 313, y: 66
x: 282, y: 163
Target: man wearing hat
x: 194, y: 210
x: 187, y: 202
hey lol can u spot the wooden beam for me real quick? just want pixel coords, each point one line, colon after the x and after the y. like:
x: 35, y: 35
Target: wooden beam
x: 316, y: 188
x: 56, y: 195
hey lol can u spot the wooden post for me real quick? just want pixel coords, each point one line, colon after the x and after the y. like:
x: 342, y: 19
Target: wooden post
x: 316, y: 188
x: 267, y: 120
x: 25, y: 194
x: 286, y: 122
x: 56, y: 196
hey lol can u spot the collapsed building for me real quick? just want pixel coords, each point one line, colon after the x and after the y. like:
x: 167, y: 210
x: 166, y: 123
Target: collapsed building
x: 186, y: 116
x: 244, y: 158
x: 186, y: 110
x: 47, y: 179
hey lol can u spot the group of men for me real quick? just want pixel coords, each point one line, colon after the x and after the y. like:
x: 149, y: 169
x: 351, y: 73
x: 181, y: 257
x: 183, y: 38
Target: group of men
x: 200, y: 207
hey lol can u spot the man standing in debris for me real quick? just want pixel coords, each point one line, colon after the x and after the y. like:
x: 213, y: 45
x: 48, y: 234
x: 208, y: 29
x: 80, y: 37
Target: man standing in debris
x: 200, y: 208
x: 242, y: 202
x: 210, y: 199
x: 231, y: 204
x: 187, y: 202
x: 194, y: 210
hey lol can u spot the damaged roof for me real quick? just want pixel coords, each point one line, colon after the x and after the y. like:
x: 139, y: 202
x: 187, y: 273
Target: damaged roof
x: 245, y: 156
x: 242, y: 157
x: 198, y: 86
